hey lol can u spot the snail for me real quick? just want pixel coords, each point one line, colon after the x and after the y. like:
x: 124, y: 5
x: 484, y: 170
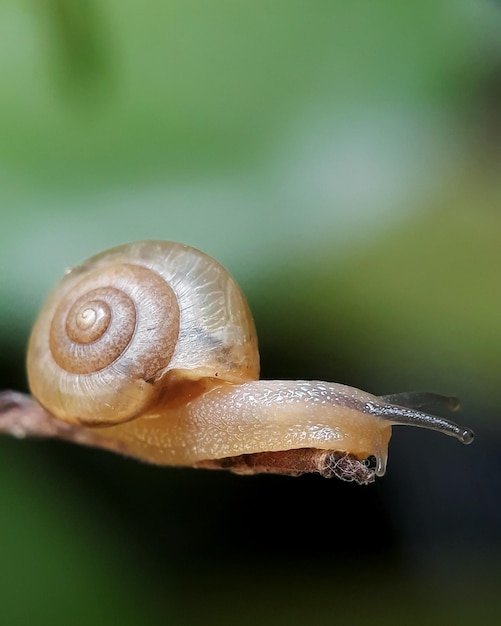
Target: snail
x: 150, y: 349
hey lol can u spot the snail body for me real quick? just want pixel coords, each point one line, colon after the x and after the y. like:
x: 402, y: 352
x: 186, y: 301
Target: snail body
x: 150, y: 349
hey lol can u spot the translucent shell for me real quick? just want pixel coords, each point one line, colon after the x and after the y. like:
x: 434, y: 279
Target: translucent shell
x: 121, y: 327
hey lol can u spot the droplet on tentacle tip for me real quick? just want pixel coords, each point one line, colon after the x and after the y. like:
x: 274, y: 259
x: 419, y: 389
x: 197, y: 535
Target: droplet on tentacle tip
x: 381, y: 465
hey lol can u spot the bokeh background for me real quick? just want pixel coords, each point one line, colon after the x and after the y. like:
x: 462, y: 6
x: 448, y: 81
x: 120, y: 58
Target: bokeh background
x: 343, y: 160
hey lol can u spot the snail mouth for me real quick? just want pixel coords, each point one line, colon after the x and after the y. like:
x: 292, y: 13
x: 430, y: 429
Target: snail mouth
x: 295, y: 462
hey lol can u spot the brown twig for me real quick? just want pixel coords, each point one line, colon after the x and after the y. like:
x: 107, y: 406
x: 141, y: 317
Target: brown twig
x: 21, y: 416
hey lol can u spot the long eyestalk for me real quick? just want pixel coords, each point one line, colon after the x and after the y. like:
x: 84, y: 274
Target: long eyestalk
x: 402, y: 409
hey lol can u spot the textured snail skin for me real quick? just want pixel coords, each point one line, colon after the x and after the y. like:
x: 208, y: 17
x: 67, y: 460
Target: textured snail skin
x: 260, y: 416
x: 150, y: 349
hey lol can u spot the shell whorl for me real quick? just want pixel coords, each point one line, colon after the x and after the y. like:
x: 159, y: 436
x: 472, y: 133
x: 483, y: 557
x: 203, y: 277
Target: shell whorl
x: 115, y: 325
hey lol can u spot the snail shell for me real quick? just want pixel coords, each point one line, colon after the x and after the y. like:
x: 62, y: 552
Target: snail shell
x: 153, y: 343
x: 121, y: 327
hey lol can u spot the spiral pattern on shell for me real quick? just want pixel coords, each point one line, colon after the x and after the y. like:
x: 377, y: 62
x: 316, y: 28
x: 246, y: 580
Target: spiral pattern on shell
x: 117, y: 324
x: 101, y: 316
x: 81, y: 340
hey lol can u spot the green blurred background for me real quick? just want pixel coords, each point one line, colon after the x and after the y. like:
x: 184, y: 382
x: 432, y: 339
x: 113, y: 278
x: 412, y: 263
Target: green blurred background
x: 343, y: 160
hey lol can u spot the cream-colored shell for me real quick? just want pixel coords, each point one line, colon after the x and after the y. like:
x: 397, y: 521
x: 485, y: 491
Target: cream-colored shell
x: 213, y: 333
